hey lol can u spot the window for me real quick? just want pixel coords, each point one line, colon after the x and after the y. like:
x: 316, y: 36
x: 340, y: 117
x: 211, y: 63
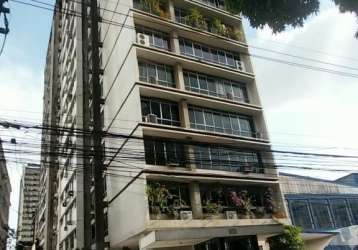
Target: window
x: 215, y: 86
x: 226, y: 159
x: 159, y: 152
x: 157, y: 38
x: 300, y: 213
x: 353, y: 204
x: 156, y: 73
x: 166, y: 112
x: 209, y: 54
x: 223, y: 122
x: 321, y: 214
x: 340, y: 212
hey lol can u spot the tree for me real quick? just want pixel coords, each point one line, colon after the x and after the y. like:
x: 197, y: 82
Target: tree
x: 289, y: 240
x: 348, y: 6
x: 277, y: 14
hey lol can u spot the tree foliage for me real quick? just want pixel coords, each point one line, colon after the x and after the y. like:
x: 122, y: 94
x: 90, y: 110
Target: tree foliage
x: 348, y: 6
x: 277, y: 14
x: 289, y: 240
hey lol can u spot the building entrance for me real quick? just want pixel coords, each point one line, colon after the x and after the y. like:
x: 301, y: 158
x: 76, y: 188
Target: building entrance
x: 230, y: 243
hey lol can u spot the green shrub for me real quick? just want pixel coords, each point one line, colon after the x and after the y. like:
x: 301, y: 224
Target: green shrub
x: 289, y: 240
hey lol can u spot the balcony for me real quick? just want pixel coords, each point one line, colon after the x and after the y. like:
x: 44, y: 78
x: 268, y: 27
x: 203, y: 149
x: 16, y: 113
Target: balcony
x: 159, y: 111
x: 156, y: 7
x: 174, y: 154
x: 195, y: 19
x: 222, y: 122
x: 172, y: 201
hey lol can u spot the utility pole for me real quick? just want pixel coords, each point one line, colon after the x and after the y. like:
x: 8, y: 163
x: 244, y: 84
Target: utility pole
x: 87, y: 141
x: 97, y: 127
x: 3, y: 10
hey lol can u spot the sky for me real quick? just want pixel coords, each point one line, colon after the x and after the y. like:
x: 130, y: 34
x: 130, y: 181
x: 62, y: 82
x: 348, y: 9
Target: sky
x: 304, y: 109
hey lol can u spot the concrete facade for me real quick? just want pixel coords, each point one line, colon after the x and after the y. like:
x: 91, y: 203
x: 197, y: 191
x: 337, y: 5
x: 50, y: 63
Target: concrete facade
x: 5, y: 190
x: 28, y: 202
x: 329, y: 208
x: 185, y: 114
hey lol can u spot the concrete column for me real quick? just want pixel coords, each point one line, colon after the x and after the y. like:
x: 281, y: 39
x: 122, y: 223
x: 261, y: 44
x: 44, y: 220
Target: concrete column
x: 195, y: 200
x: 174, y: 42
x: 184, y: 114
x: 190, y: 156
x: 171, y: 10
x: 262, y: 242
x: 179, y: 77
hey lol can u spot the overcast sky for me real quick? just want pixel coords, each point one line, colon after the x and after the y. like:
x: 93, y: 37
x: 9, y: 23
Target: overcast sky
x: 305, y: 109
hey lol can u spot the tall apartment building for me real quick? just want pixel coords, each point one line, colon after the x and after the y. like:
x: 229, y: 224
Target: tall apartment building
x: 28, y: 202
x: 5, y: 190
x: 186, y: 154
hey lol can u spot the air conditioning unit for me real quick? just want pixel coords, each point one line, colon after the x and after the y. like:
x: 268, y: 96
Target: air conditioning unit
x: 152, y: 118
x: 231, y: 215
x: 186, y: 215
x: 240, y: 65
x: 70, y: 193
x: 143, y: 39
x: 229, y: 96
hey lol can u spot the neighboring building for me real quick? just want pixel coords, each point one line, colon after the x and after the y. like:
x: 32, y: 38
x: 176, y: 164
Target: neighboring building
x: 324, y: 207
x: 5, y: 190
x: 189, y: 95
x: 46, y: 222
x: 29, y: 198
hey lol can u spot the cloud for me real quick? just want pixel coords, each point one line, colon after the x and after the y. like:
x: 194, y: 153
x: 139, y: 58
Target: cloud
x: 305, y: 107
x: 21, y: 99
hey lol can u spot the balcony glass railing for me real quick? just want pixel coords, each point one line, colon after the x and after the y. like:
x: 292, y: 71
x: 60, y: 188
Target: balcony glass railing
x: 160, y: 112
x: 220, y: 4
x: 165, y: 152
x: 211, y: 54
x: 215, y: 86
x: 156, y: 73
x: 222, y: 122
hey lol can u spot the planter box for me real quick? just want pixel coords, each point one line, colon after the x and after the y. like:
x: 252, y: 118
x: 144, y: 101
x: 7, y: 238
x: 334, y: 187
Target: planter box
x: 231, y: 215
x: 159, y: 216
x: 214, y: 216
x: 186, y: 215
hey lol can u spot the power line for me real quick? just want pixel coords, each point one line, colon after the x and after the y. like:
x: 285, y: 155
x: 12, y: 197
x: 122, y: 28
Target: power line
x: 305, y: 66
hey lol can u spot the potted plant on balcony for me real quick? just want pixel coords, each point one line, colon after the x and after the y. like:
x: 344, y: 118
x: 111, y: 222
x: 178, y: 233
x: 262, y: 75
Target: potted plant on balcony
x: 269, y: 203
x: 217, y: 27
x: 176, y: 205
x: 158, y: 200
x: 152, y: 6
x: 243, y: 203
x: 212, y: 210
x: 196, y: 19
x: 234, y: 34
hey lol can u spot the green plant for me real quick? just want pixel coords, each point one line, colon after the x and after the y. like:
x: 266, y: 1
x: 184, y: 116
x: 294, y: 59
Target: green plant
x: 242, y: 201
x: 233, y: 34
x: 289, y: 240
x: 153, y: 6
x: 196, y: 19
x: 211, y: 207
x: 158, y: 196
